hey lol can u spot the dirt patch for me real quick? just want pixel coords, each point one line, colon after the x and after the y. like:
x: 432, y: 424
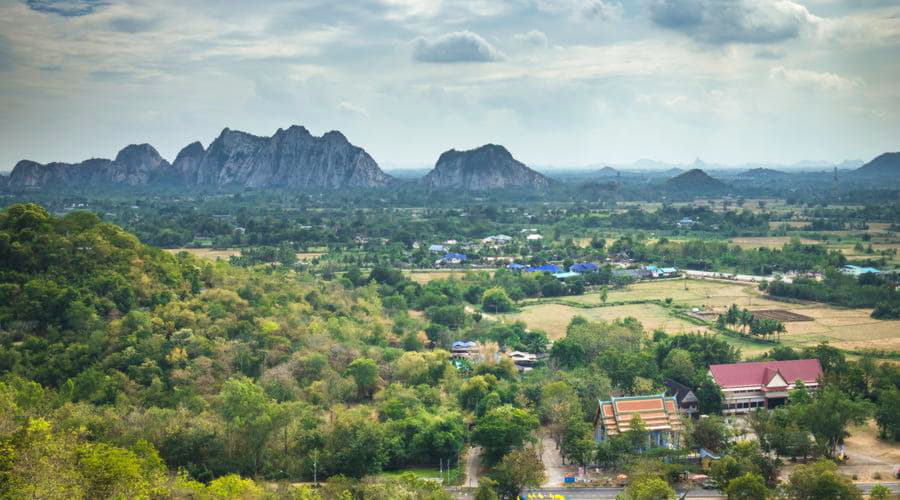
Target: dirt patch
x: 227, y: 253
x: 781, y: 315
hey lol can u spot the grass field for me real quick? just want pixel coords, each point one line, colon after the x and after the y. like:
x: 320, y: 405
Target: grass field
x: 423, y: 277
x: 851, y: 329
x: 553, y: 318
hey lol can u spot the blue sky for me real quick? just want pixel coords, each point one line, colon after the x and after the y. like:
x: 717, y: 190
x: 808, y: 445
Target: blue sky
x: 559, y: 82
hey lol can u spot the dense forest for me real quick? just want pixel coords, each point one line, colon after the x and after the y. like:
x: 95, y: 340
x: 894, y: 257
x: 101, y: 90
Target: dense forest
x: 128, y: 371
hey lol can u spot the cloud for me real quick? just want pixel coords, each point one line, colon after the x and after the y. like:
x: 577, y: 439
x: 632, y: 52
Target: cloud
x: 67, y: 8
x: 6, y: 55
x: 765, y: 53
x: 132, y: 24
x: 602, y: 9
x: 814, y: 79
x: 460, y: 46
x: 535, y: 38
x: 728, y: 21
x: 353, y: 109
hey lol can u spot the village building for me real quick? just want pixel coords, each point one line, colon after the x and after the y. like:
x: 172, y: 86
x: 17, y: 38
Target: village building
x: 858, y: 271
x: 583, y: 267
x: 763, y: 384
x: 437, y: 248
x: 684, y: 397
x: 534, y: 237
x: 658, y: 413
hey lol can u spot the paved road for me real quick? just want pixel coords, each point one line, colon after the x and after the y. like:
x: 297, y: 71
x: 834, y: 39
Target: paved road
x: 553, y: 463
x: 610, y: 493
x: 473, y: 463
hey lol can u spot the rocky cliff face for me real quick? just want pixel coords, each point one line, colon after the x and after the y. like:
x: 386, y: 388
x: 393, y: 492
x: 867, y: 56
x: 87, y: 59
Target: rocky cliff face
x: 290, y: 158
x: 134, y: 165
x: 487, y: 167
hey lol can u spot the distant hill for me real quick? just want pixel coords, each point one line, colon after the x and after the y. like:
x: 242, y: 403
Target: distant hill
x: 607, y: 172
x: 762, y: 173
x: 291, y: 158
x: 694, y: 181
x: 887, y: 164
x: 488, y: 167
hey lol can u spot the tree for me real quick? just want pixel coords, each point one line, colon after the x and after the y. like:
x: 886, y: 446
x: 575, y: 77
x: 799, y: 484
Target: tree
x: 578, y: 441
x: 648, y: 488
x: 747, y: 487
x: 887, y: 414
x: 880, y: 492
x: 486, y: 489
x: 519, y: 469
x: 503, y: 429
x: 604, y: 294
x: 711, y: 433
x: 820, y: 480
x: 559, y: 404
x: 709, y: 397
x: 251, y: 415
x: 829, y: 414
x: 496, y: 300
x: 365, y: 373
x: 680, y: 367
x: 355, y: 445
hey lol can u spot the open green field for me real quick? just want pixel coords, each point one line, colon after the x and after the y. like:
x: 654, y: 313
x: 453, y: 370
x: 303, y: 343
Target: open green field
x: 850, y: 329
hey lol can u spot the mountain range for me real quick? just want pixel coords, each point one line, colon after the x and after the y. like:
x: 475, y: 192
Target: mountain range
x: 294, y: 158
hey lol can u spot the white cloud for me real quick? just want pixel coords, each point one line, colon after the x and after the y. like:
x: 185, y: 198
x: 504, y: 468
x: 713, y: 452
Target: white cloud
x: 599, y: 9
x: 456, y: 47
x: 814, y: 79
x: 729, y: 21
x: 353, y: 109
x: 535, y: 38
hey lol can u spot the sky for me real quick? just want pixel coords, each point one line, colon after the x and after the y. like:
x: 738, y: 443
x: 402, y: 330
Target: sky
x: 558, y: 82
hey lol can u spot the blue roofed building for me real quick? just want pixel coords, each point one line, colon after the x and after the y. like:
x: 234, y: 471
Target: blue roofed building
x: 583, y: 267
x: 858, y: 271
x: 550, y: 268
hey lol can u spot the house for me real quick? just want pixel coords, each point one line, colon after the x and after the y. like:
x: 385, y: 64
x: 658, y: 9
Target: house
x: 686, y: 222
x: 684, y: 397
x: 437, y: 249
x: 451, y: 259
x: 667, y: 272
x: 550, y: 268
x: 500, y: 239
x: 763, y: 384
x: 515, y: 267
x: 566, y: 276
x: 450, y: 242
x: 635, y: 274
x: 464, y: 349
x: 858, y: 271
x: 534, y: 237
x: 659, y: 414
x: 583, y: 267
x: 524, y: 361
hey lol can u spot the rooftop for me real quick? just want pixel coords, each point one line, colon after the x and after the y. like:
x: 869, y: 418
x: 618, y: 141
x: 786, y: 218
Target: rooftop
x: 760, y: 373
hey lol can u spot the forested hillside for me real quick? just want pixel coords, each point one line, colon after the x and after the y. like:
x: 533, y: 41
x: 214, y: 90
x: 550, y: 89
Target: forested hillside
x: 114, y: 351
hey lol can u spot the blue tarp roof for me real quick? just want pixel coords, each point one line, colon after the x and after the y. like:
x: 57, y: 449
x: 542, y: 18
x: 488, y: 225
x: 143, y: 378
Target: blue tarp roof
x: 551, y: 268
x: 464, y: 343
x: 452, y: 255
x: 515, y: 266
x: 652, y: 268
x: 582, y: 267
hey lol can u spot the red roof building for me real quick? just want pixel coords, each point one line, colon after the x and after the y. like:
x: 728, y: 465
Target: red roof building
x: 763, y: 384
x: 659, y: 414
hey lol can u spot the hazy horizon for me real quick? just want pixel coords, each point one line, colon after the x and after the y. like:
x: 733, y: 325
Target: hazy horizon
x: 562, y: 83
